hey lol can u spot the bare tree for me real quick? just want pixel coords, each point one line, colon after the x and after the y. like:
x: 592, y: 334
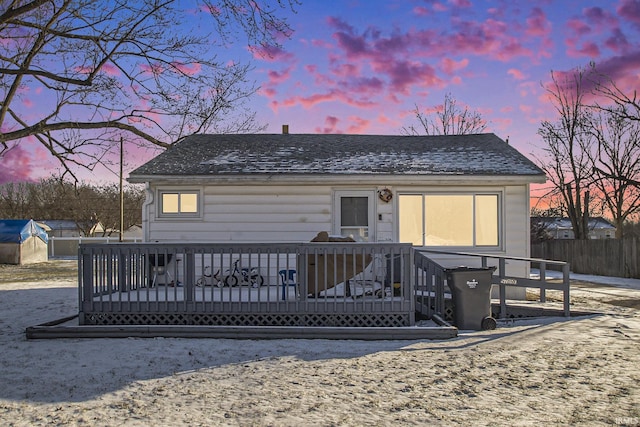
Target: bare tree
x: 447, y: 119
x: 569, y: 143
x: 101, y: 69
x: 85, y: 204
x: 625, y: 104
x: 616, y: 165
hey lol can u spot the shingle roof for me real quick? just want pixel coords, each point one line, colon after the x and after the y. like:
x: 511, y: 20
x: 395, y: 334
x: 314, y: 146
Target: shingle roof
x: 309, y: 154
x: 557, y: 223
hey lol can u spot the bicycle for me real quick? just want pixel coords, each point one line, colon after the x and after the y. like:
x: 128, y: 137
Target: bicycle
x: 209, y: 279
x: 245, y: 275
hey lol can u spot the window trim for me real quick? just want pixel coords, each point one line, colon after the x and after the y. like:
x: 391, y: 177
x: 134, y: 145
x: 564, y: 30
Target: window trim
x: 500, y: 213
x: 160, y: 192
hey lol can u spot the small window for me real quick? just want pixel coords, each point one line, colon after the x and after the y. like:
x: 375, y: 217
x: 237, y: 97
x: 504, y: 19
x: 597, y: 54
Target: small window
x: 179, y: 203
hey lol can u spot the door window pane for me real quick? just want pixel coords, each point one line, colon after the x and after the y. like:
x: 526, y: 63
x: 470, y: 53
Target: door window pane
x: 355, y: 211
x: 354, y: 217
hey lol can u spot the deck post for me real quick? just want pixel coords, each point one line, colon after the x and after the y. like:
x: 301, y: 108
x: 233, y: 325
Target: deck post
x: 566, y: 284
x: 189, y: 275
x: 85, y: 273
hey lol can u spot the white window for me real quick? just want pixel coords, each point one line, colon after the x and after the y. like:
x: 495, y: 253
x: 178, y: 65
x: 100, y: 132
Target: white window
x: 461, y: 220
x: 182, y: 203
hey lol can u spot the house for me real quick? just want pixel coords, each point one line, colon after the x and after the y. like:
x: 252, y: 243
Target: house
x: 454, y: 193
x: 22, y: 241
x: 316, y: 230
x: 68, y: 228
x: 561, y: 228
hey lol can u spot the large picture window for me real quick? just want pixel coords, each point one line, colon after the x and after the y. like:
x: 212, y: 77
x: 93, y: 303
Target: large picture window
x: 462, y: 220
x: 179, y: 203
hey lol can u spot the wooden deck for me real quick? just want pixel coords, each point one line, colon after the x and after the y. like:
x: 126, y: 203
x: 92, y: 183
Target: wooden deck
x: 337, y: 285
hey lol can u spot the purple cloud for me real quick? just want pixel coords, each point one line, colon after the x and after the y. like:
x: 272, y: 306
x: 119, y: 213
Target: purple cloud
x: 16, y: 165
x: 630, y: 10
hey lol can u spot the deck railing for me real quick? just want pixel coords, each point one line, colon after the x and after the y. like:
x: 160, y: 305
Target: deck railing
x: 431, y: 280
x: 294, y: 284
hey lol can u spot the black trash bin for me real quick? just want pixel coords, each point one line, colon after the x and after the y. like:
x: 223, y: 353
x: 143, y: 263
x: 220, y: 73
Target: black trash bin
x: 471, y: 294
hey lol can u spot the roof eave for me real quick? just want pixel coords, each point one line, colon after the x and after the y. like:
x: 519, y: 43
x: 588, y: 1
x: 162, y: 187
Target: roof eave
x: 357, y: 179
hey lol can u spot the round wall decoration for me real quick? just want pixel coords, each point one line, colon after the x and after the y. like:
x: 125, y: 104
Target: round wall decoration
x: 385, y: 195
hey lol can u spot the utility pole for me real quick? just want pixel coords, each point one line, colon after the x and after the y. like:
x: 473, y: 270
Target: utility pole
x: 121, y: 192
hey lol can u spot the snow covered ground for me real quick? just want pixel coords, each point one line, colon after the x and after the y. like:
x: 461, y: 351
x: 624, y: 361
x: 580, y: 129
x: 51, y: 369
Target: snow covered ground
x: 552, y: 371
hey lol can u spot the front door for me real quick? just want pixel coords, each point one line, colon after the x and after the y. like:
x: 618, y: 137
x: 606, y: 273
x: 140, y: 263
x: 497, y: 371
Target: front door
x: 354, y: 215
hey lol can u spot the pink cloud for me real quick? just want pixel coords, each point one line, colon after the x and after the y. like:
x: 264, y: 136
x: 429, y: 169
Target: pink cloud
x: 617, y: 42
x: 600, y: 18
x: 367, y: 66
x: 587, y: 49
x: 276, y: 77
x: 330, y: 125
x: 83, y: 70
x: 110, y: 69
x: 502, y: 123
x: 346, y: 70
x: 460, y: 3
x: 365, y: 85
x: 537, y: 23
x: 154, y: 69
x: 623, y: 69
x: 321, y: 44
x: 527, y: 109
x: 333, y: 96
x: 267, y: 92
x: 490, y: 38
x: 578, y: 27
x: 188, y: 69
x: 421, y: 11
x: 450, y: 66
x: 16, y: 165
x: 107, y: 68
x: 358, y: 126
x: 384, y: 120
x: 271, y: 54
x: 516, y: 74
x: 404, y: 74
x: 439, y: 7
x: 214, y: 10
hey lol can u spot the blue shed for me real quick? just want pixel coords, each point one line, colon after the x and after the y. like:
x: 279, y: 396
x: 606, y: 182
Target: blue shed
x: 22, y: 241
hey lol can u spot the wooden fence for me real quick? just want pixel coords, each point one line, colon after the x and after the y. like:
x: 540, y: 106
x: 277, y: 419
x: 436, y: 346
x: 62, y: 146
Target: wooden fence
x: 604, y: 257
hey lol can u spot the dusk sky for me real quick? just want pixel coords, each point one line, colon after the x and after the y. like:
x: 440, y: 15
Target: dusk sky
x: 361, y: 66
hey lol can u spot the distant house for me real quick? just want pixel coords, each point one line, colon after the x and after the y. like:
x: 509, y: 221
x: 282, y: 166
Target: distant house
x: 561, y: 228
x: 133, y: 232
x: 68, y: 228
x: 22, y: 241
x: 461, y: 192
